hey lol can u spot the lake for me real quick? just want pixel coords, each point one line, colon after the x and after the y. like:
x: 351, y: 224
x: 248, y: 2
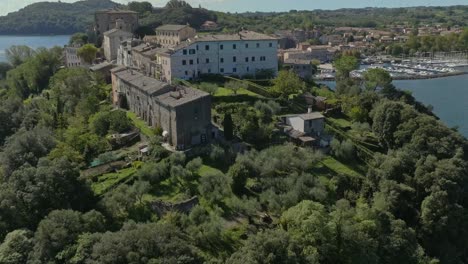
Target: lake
x: 448, y: 96
x: 31, y: 41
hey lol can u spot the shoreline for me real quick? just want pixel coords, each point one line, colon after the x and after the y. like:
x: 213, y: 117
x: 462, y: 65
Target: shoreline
x: 401, y: 78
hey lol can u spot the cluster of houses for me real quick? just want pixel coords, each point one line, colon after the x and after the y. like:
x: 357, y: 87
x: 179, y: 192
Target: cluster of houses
x: 142, y: 73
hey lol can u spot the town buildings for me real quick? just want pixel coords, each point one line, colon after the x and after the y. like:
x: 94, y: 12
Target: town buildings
x: 241, y: 54
x: 172, y: 35
x: 106, y: 20
x: 183, y: 113
x: 305, y: 129
x: 71, y: 58
x: 112, y: 40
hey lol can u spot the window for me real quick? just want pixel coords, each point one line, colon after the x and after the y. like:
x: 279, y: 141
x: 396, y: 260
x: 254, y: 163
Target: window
x: 246, y: 59
x: 258, y: 45
x: 234, y: 59
x: 234, y: 69
x: 209, y: 70
x: 197, y: 47
x: 246, y: 45
x: 221, y: 60
x: 262, y: 58
x: 248, y: 69
x: 184, y: 62
x: 207, y: 47
x: 221, y: 46
x: 192, y: 51
x: 191, y: 62
x: 185, y: 52
x: 198, y: 60
x: 234, y: 46
x: 221, y: 70
x: 186, y: 72
x: 271, y: 45
x: 253, y: 58
x: 207, y: 60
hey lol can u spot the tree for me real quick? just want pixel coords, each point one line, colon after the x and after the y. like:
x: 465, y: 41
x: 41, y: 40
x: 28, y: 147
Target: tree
x: 4, y: 68
x: 88, y: 53
x: 26, y: 148
x: 239, y: 173
x: 234, y: 86
x: 287, y: 83
x: 344, y: 65
x: 140, y: 7
x: 210, y: 88
x: 56, y: 234
x: 377, y: 78
x: 268, y: 247
x: 152, y: 242
x: 16, y: 247
x: 343, y: 150
x: 17, y: 55
x: 214, y: 187
x: 177, y: 4
x: 78, y: 39
x: 228, y: 127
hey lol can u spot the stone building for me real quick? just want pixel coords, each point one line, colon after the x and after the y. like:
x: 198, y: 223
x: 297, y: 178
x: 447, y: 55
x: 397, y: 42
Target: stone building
x: 112, y: 40
x: 106, y: 20
x: 241, y: 54
x: 183, y: 113
x: 305, y: 129
x: 172, y: 35
x: 303, y: 68
x: 70, y: 55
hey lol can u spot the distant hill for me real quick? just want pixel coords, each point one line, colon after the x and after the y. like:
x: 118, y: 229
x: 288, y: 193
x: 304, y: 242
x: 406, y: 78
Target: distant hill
x: 53, y: 18
x: 65, y: 18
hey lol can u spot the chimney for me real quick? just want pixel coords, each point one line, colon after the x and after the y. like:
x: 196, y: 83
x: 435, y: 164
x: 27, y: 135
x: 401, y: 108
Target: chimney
x: 309, y: 109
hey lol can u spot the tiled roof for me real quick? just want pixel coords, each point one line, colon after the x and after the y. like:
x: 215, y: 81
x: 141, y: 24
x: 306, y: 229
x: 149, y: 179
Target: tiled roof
x: 242, y: 35
x: 116, y: 30
x: 141, y: 81
x: 181, y: 95
x: 311, y: 116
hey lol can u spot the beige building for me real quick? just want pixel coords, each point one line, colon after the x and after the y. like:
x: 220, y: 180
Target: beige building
x: 106, y: 20
x: 70, y: 55
x: 112, y: 40
x: 241, y: 54
x: 172, y: 35
x: 183, y: 113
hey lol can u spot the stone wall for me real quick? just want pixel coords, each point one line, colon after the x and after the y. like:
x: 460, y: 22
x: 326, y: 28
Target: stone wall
x: 161, y: 207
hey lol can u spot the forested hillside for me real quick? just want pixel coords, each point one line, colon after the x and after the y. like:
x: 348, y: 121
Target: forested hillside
x: 65, y: 18
x: 392, y: 189
x: 53, y: 17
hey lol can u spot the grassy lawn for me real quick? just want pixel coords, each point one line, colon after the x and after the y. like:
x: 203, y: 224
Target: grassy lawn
x: 225, y: 92
x: 205, y: 170
x: 108, y: 180
x: 340, y: 167
x: 140, y: 124
x: 341, y: 122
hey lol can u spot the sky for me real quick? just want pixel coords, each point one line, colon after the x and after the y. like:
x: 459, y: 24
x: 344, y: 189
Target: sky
x: 265, y: 5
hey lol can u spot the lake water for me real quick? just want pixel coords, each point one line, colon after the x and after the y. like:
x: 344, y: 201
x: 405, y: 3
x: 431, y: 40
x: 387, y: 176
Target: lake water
x: 448, y: 96
x: 31, y: 41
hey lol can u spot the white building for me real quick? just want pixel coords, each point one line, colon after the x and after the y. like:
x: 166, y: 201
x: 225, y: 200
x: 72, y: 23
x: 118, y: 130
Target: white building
x: 245, y: 53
